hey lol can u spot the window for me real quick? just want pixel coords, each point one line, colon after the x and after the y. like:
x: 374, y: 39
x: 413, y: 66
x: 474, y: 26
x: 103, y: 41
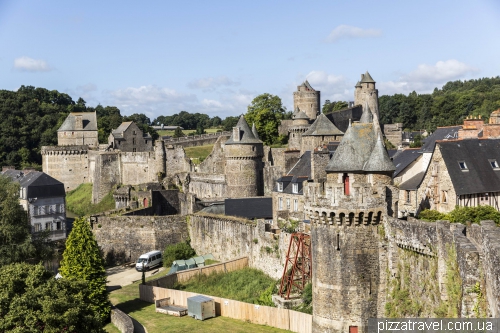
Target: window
x: 38, y: 227
x: 134, y: 150
x: 408, y: 196
x: 48, y: 225
x: 146, y: 141
x: 295, y: 205
x: 58, y: 225
x: 280, y: 187
x: 444, y: 196
x: 494, y: 164
x: 462, y: 165
x: 135, y: 133
x: 295, y: 188
x: 133, y: 140
x: 288, y: 204
x: 280, y: 203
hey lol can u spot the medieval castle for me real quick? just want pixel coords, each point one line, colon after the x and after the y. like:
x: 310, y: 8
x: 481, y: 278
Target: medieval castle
x: 336, y: 176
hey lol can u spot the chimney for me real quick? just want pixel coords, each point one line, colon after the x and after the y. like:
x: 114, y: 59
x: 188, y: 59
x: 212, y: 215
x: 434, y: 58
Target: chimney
x: 236, y: 134
x: 78, y: 122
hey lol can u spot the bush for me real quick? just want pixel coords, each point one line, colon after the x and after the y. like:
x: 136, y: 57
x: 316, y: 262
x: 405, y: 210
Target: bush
x: 179, y: 251
x: 431, y: 215
x: 463, y: 215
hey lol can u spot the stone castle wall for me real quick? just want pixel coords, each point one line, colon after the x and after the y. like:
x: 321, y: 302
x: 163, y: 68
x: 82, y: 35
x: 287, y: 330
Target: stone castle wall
x: 215, y: 162
x: 197, y: 140
x: 227, y: 238
x: 207, y: 185
x: 125, y: 238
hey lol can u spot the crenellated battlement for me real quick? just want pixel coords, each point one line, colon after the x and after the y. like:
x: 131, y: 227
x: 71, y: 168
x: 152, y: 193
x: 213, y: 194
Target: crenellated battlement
x: 64, y: 150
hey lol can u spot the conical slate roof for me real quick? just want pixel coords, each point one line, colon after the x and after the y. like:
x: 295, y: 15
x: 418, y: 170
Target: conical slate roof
x: 379, y: 159
x: 358, y: 84
x: 307, y: 85
x: 254, y: 132
x: 322, y: 126
x: 246, y: 135
x: 367, y: 116
x: 301, y: 115
x: 367, y: 78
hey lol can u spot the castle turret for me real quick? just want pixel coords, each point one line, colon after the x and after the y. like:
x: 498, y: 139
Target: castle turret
x: 244, y: 169
x: 307, y: 100
x: 345, y: 213
x: 321, y: 132
x: 365, y: 92
x: 300, y: 124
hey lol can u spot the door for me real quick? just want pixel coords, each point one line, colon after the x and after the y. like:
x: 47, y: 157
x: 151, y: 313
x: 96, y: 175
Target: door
x: 353, y: 329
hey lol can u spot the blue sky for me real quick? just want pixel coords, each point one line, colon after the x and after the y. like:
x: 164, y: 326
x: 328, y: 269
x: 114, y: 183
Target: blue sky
x: 214, y: 57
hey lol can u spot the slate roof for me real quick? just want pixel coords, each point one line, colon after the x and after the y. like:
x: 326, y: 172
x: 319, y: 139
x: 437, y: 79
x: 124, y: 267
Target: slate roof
x: 89, y: 122
x: 322, y: 126
x: 250, y: 208
x: 413, y: 183
x: 299, y: 173
x: 38, y: 184
x: 367, y: 116
x: 254, y: 132
x: 246, y: 135
x: 307, y: 85
x: 480, y: 176
x: 441, y: 133
x: 215, y: 209
x: 358, y: 84
x: 405, y: 158
x: 367, y: 78
x: 360, y: 144
x: 300, y: 115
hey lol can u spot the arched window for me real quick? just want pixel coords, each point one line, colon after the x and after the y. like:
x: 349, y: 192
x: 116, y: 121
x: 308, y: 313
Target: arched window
x: 351, y: 218
x: 342, y: 218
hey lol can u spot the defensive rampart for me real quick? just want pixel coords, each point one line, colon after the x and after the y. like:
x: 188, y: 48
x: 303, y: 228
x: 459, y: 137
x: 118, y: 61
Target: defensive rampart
x: 196, y: 140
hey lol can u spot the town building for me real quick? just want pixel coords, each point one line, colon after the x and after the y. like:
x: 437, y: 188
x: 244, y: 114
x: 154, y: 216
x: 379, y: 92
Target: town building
x: 44, y: 200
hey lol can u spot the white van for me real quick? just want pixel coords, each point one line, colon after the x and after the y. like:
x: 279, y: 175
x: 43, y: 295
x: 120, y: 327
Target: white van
x: 149, y: 260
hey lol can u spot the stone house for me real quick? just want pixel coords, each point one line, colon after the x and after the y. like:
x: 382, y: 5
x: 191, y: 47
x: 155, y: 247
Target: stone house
x: 128, y: 137
x: 44, y: 199
x: 79, y: 129
x: 462, y: 173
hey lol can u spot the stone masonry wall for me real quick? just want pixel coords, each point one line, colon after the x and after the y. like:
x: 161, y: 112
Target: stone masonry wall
x: 215, y: 162
x: 227, y: 238
x: 69, y: 164
x: 125, y: 238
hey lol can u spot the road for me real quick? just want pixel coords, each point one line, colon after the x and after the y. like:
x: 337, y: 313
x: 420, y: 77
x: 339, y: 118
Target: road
x: 122, y: 276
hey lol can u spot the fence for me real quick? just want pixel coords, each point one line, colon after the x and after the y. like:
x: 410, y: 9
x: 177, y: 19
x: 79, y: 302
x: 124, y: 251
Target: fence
x: 169, y: 281
x: 256, y: 314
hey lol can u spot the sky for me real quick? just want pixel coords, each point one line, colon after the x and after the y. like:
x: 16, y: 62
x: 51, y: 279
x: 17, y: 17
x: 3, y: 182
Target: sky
x: 216, y: 56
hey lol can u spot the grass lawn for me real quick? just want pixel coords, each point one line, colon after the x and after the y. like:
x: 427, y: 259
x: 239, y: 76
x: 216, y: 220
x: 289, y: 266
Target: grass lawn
x: 79, y: 201
x: 198, y: 153
x: 186, y: 132
x: 110, y: 328
x: 127, y: 300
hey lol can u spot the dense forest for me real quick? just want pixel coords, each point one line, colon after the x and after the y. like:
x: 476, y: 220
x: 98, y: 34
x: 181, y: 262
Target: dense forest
x: 31, y: 116
x: 444, y: 107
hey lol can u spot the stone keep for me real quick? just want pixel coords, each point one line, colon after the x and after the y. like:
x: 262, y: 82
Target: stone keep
x: 79, y: 129
x: 244, y: 169
x: 366, y: 93
x: 345, y: 212
x: 307, y: 100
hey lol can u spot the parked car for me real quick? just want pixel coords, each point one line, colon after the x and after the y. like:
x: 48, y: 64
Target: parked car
x: 149, y: 260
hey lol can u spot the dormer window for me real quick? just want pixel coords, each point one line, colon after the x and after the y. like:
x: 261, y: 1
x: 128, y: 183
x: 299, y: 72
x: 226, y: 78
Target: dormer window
x: 494, y: 164
x: 280, y: 187
x: 295, y: 188
x: 462, y: 166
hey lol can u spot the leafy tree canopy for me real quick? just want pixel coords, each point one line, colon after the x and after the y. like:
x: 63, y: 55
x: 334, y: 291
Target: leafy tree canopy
x: 32, y: 300
x: 463, y: 215
x: 329, y: 107
x: 266, y: 111
x: 82, y: 260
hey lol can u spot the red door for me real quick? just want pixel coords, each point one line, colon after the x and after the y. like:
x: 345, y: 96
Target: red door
x: 145, y: 202
x: 346, y: 183
x: 353, y: 329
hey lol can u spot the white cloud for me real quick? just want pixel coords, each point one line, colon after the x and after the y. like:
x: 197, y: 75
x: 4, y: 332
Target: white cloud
x: 212, y: 83
x: 332, y: 87
x: 347, y: 31
x: 427, y: 77
x: 31, y: 65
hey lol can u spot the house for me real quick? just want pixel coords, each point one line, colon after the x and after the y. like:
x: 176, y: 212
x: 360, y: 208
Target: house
x: 44, y: 199
x: 79, y: 129
x: 128, y: 137
x: 463, y: 173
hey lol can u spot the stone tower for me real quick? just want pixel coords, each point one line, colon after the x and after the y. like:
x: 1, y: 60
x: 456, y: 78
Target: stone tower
x: 244, y: 169
x: 366, y: 93
x: 300, y: 124
x: 307, y: 100
x: 345, y: 214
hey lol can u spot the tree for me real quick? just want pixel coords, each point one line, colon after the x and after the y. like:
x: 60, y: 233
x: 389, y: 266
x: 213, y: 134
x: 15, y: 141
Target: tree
x: 82, y: 260
x: 266, y: 111
x: 229, y: 122
x: 200, y: 129
x: 32, y: 300
x: 179, y: 251
x: 178, y: 133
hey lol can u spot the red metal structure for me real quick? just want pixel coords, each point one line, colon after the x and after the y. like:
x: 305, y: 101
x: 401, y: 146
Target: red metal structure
x: 298, y: 266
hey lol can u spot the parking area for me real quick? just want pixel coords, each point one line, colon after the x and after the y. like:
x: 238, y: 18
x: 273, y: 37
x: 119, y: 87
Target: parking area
x: 125, y: 275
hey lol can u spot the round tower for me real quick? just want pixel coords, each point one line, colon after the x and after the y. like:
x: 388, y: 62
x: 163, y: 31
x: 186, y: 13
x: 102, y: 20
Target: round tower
x: 345, y: 213
x: 244, y: 169
x: 365, y: 92
x: 307, y: 100
x: 300, y: 124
